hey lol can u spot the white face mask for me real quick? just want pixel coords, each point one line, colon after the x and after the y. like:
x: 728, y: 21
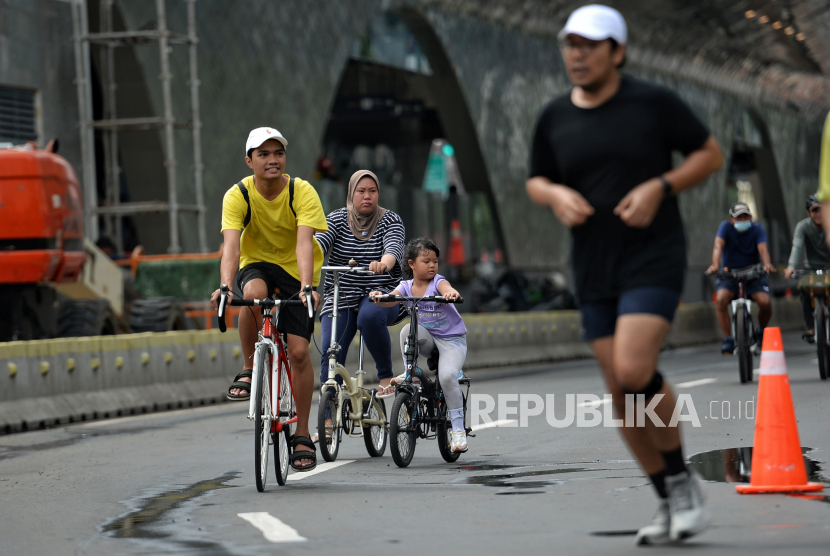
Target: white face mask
x: 743, y: 226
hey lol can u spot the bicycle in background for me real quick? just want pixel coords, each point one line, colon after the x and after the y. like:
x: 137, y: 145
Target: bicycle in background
x: 272, y: 406
x: 743, y: 329
x: 816, y: 284
x: 348, y: 406
x: 420, y: 409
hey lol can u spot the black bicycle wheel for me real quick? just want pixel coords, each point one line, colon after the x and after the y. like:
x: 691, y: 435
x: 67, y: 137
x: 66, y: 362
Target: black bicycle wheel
x: 262, y: 416
x: 821, y: 340
x: 742, y: 344
x: 444, y: 435
x: 374, y: 436
x: 282, y: 441
x: 749, y: 334
x: 403, y: 428
x: 329, y: 443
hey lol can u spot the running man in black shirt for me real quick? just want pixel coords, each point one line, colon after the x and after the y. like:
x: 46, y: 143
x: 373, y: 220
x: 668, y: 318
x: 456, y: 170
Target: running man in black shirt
x: 601, y: 159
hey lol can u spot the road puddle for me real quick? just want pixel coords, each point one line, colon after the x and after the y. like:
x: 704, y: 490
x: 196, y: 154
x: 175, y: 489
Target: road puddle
x: 734, y: 465
x: 522, y: 482
x: 152, y: 519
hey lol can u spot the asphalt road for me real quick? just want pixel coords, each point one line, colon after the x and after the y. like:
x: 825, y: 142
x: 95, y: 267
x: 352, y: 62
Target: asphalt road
x: 177, y: 482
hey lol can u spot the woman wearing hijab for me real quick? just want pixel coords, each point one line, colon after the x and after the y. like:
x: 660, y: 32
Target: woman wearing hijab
x: 374, y: 237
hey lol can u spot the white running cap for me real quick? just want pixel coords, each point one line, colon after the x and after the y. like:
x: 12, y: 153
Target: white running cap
x: 596, y: 22
x: 260, y: 135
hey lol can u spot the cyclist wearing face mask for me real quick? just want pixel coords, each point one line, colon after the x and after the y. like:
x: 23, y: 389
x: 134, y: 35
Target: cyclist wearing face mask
x: 742, y: 243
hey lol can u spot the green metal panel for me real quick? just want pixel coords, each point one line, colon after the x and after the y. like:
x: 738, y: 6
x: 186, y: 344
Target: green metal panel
x: 188, y: 280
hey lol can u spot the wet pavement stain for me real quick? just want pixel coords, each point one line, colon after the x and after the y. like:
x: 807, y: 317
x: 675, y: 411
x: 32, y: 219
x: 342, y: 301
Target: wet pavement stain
x: 75, y: 436
x: 145, y: 522
x: 621, y: 533
x: 514, y: 480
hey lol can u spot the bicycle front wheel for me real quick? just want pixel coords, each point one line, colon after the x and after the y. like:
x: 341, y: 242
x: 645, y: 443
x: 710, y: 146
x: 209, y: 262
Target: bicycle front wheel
x: 375, y: 435
x: 403, y: 428
x: 282, y: 440
x: 262, y: 416
x: 743, y: 326
x: 821, y: 340
x: 444, y: 435
x: 328, y: 433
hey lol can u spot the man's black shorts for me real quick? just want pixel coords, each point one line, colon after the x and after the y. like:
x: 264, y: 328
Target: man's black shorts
x: 293, y: 318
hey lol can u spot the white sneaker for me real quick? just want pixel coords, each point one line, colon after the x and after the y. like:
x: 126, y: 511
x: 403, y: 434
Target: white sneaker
x: 656, y: 532
x: 458, y: 443
x: 688, y: 516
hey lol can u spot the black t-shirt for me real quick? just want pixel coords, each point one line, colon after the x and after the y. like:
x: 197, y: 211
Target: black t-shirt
x: 603, y: 153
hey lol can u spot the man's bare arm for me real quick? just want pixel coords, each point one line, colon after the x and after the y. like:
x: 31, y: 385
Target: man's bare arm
x: 305, y: 259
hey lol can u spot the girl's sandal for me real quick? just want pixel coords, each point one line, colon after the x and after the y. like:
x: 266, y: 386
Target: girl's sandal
x: 384, y: 392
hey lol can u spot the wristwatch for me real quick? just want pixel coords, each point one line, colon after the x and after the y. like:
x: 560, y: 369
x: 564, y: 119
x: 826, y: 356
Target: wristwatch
x: 667, y: 189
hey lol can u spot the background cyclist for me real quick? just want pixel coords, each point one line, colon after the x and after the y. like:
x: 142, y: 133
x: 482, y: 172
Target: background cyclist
x: 809, y: 243
x: 276, y: 248
x: 372, y: 236
x: 740, y: 243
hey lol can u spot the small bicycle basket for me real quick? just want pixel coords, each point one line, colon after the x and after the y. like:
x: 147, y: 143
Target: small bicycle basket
x: 816, y: 285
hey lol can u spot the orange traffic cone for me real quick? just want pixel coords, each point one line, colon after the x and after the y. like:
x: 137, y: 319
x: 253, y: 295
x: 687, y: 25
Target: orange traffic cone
x: 777, y: 463
x: 457, y: 257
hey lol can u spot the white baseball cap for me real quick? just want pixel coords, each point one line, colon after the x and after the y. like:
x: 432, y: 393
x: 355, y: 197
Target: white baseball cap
x: 260, y: 135
x: 596, y: 22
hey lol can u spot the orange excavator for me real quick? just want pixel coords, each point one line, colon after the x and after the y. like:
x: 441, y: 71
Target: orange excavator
x: 42, y: 247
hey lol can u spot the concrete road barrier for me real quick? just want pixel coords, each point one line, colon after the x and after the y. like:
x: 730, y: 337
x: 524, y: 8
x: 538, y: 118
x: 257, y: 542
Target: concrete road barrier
x: 51, y: 382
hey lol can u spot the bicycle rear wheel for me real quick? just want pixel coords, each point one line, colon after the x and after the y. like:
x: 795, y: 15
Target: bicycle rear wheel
x: 262, y: 416
x: 444, y: 435
x: 328, y: 409
x: 403, y: 428
x: 282, y: 441
x: 821, y: 340
x: 374, y: 436
x: 743, y: 324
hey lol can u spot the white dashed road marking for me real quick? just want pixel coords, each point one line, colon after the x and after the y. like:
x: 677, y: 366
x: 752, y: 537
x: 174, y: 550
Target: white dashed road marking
x: 693, y: 383
x: 272, y: 528
x: 294, y: 476
x: 493, y: 424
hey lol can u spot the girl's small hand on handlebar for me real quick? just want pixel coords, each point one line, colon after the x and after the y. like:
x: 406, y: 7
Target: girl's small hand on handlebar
x: 452, y: 295
x: 374, y: 294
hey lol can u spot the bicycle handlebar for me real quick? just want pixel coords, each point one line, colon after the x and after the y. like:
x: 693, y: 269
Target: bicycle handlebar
x: 361, y: 270
x: 808, y: 271
x: 223, y: 302
x: 386, y: 298
x: 740, y: 275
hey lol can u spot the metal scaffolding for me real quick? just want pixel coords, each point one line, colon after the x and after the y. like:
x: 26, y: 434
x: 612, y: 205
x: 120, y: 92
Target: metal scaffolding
x: 112, y: 209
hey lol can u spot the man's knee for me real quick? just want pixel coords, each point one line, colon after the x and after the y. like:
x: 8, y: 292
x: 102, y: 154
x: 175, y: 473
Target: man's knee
x: 255, y: 289
x: 641, y: 384
x: 723, y: 299
x: 763, y: 300
x: 298, y: 354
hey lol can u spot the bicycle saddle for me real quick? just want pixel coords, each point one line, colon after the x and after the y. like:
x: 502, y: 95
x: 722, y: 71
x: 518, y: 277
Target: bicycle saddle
x: 432, y: 361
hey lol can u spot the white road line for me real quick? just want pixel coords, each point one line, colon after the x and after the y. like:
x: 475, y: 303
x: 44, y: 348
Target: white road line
x: 493, y: 424
x: 693, y: 383
x: 597, y: 403
x: 272, y: 528
x: 294, y: 476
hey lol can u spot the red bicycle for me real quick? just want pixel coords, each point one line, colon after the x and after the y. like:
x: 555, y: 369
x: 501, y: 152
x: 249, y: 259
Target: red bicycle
x: 272, y: 407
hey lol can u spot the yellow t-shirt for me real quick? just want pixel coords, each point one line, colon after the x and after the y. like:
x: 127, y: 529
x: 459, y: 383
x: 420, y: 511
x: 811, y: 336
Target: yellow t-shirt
x: 271, y: 235
x: 824, y: 166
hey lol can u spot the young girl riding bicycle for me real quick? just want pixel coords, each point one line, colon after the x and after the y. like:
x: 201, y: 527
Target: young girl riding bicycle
x: 440, y: 326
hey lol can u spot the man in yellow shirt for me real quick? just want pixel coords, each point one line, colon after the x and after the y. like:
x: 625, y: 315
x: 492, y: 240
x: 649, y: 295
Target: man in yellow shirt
x: 268, y: 221
x: 823, y: 193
